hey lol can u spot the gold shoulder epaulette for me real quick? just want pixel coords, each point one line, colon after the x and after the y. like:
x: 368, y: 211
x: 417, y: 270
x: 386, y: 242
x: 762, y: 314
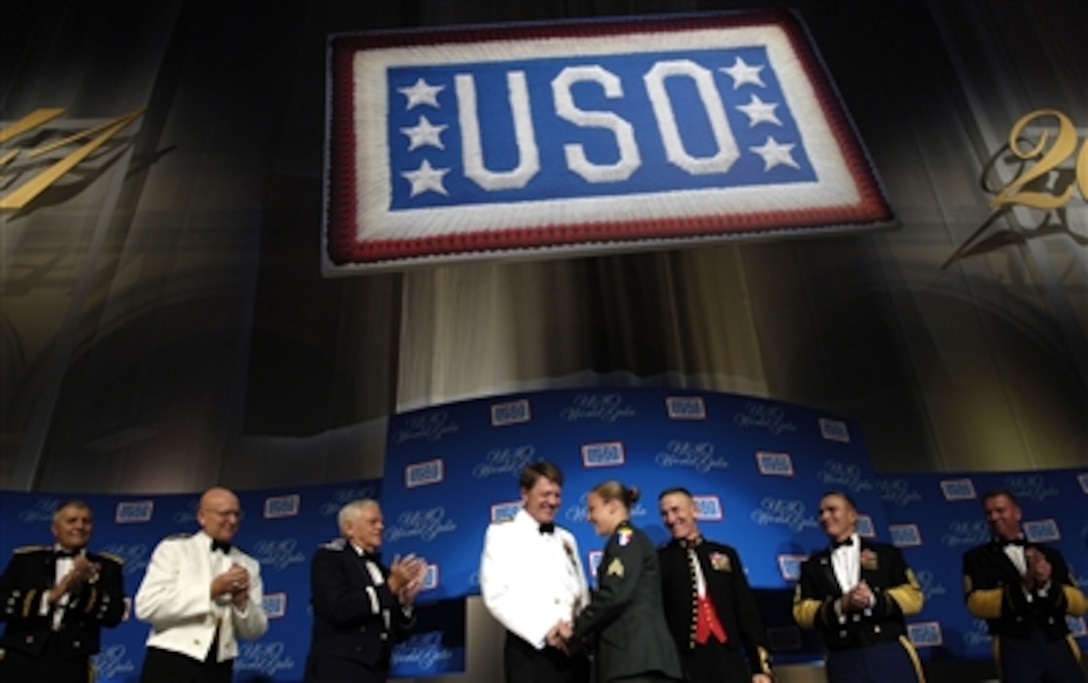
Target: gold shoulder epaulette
x: 111, y: 557
x: 30, y: 549
x: 178, y: 536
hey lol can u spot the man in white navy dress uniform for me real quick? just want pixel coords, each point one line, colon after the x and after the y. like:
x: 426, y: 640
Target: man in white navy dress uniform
x: 54, y: 600
x: 531, y: 579
x: 361, y: 607
x: 200, y: 594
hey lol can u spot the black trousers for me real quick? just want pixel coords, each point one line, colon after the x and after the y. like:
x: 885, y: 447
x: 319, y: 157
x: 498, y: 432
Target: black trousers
x: 888, y: 662
x: 1034, y: 659
x: 49, y: 667
x: 714, y: 662
x: 523, y: 663
x: 164, y: 666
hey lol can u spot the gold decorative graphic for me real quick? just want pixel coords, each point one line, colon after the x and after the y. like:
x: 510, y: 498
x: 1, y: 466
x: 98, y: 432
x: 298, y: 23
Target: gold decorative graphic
x: 96, y: 137
x: 1043, y: 181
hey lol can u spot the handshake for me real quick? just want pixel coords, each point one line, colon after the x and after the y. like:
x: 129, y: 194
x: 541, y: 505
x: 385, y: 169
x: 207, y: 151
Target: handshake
x: 559, y: 636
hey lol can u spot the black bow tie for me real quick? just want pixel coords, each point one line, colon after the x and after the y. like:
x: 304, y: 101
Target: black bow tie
x: 841, y: 544
x: 62, y: 552
x: 1006, y: 543
x: 221, y: 546
x: 547, y: 528
x: 375, y: 556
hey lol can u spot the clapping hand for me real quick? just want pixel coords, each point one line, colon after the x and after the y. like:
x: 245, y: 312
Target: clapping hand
x: 1038, y: 569
x: 406, y: 577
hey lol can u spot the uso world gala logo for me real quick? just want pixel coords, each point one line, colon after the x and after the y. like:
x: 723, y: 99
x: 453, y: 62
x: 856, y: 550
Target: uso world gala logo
x: 113, y: 662
x: 40, y: 511
x: 134, y: 555
x: 764, y: 416
x: 266, y: 658
x: 134, y: 512
x: 782, y: 512
x: 429, y: 426
x: 606, y: 454
x: 511, y: 413
x: 844, y: 475
x: 897, y: 492
x: 278, y: 553
x: 277, y: 507
x: 685, y: 408
x: 423, y: 652
x: 1030, y: 487
x: 341, y: 497
x: 978, y: 635
x: 424, y: 473
x: 605, y: 408
x: 508, y: 461
x: 965, y: 533
x: 424, y: 524
x: 929, y: 584
x: 695, y: 455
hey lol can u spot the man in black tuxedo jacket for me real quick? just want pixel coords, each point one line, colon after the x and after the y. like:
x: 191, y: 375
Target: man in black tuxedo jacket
x: 857, y: 593
x: 709, y: 606
x: 361, y: 607
x: 1024, y: 591
x: 55, y: 600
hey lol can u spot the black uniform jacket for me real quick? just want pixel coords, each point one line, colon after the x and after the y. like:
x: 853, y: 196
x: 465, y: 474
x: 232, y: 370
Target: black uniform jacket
x: 993, y: 591
x: 31, y: 573
x: 728, y: 590
x: 625, y: 617
x: 353, y: 618
x: 894, y: 587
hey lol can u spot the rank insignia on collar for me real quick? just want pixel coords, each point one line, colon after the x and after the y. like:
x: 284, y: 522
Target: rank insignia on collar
x: 615, y: 568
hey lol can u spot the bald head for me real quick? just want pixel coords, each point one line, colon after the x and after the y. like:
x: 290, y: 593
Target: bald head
x: 219, y: 513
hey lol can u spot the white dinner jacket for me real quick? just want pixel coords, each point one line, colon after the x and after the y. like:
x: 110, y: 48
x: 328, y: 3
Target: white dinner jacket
x: 175, y: 597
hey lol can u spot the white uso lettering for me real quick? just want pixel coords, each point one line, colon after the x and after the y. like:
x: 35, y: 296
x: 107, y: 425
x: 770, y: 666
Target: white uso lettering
x: 629, y: 157
x: 727, y: 153
x: 472, y: 156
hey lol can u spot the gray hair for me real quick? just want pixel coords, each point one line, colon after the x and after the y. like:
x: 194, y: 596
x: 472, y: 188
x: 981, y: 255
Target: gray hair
x: 353, y: 510
x: 74, y: 503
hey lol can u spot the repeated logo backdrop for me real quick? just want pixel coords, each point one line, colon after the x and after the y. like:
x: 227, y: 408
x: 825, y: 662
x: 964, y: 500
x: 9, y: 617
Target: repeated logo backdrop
x: 281, y: 529
x: 756, y: 467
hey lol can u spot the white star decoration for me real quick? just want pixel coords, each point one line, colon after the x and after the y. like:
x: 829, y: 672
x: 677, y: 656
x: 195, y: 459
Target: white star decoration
x: 422, y: 93
x: 775, y: 153
x: 426, y: 179
x: 743, y: 73
x: 759, y: 111
x: 423, y: 134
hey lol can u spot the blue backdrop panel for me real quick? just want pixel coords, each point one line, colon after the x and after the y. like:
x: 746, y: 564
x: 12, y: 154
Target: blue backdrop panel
x: 281, y: 530
x: 935, y: 518
x: 757, y: 469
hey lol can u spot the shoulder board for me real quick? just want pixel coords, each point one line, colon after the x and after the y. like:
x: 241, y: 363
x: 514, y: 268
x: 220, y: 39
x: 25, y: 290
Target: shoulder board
x: 335, y: 544
x: 111, y: 557
x: 504, y: 520
x: 178, y: 536
x: 31, y: 549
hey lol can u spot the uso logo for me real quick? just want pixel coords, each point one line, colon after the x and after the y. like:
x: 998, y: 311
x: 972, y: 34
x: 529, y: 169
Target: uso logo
x: 774, y: 464
x: 504, y: 511
x: 685, y: 407
x: 925, y: 634
x: 608, y: 454
x: 275, y: 604
x: 865, y: 526
x: 1042, y: 531
x: 834, y: 430
x: 134, y: 511
x: 424, y: 473
x: 594, y: 561
x: 430, y: 578
x: 1083, y: 479
x: 281, y: 506
x: 905, y: 535
x: 790, y: 566
x: 513, y: 412
x: 708, y: 508
x: 958, y: 489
